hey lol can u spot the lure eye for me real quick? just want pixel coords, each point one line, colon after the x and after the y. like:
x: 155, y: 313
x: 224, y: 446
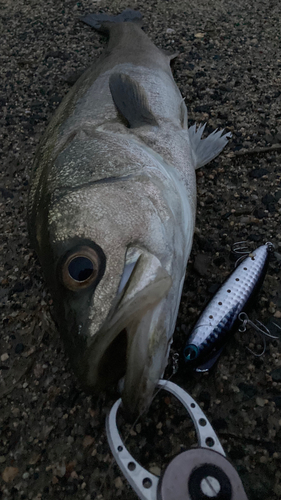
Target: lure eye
x: 191, y: 352
x: 80, y: 269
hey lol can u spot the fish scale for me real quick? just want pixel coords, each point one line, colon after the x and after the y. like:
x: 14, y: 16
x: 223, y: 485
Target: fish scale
x: 220, y: 315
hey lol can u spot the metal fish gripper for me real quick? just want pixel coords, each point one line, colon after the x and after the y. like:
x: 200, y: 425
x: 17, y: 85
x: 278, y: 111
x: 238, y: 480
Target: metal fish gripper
x: 196, y: 474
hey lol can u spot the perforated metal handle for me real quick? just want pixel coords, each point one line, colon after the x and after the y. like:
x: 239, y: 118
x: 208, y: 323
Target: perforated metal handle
x: 206, y: 435
x: 143, y: 482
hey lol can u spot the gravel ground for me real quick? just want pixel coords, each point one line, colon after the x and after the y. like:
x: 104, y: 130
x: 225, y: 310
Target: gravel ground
x: 53, y: 442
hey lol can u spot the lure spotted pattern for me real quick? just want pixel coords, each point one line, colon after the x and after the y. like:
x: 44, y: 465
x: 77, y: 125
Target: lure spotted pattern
x: 220, y: 317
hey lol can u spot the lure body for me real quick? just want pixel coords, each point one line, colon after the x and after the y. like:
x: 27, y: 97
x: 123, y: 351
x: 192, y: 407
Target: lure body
x: 219, y: 318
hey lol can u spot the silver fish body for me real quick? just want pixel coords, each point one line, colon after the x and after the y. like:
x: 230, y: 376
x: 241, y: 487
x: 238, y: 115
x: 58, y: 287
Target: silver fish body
x: 111, y: 213
x: 219, y: 318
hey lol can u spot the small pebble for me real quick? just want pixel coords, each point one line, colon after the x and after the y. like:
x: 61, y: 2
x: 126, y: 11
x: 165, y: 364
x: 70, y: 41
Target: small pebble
x: 88, y: 441
x: 155, y: 470
x: 19, y: 348
x: 276, y: 375
x: 118, y: 483
x: 261, y: 402
x: 9, y: 474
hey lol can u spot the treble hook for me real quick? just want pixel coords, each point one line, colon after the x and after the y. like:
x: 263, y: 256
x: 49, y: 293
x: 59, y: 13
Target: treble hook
x: 277, y: 326
x: 240, y: 248
x: 261, y: 329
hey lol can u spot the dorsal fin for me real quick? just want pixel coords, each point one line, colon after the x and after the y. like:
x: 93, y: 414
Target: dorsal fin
x: 131, y: 101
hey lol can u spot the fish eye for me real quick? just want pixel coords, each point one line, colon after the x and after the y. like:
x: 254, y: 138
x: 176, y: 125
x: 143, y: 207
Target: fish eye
x: 191, y: 352
x: 80, y: 269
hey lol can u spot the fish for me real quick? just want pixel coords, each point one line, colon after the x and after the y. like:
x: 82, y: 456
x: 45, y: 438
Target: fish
x: 222, y: 315
x: 111, y: 211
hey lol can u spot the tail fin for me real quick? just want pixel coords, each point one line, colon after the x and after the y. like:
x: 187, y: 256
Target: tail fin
x: 100, y: 21
x: 205, y: 150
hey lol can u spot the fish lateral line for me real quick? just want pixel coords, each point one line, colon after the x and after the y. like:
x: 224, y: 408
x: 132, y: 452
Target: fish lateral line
x: 105, y: 180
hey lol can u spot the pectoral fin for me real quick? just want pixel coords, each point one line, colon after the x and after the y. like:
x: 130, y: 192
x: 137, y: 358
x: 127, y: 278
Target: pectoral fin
x: 131, y: 101
x: 205, y: 150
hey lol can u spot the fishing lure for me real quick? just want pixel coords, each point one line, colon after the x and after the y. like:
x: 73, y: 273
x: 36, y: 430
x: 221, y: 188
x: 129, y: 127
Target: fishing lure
x: 223, y: 313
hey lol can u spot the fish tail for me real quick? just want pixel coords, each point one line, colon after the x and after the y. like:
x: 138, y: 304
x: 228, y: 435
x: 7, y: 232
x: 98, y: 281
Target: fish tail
x: 205, y: 150
x: 103, y: 22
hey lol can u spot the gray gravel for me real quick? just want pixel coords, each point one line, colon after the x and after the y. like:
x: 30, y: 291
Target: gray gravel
x: 53, y: 442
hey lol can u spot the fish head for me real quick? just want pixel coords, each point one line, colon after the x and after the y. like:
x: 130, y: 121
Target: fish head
x: 109, y: 287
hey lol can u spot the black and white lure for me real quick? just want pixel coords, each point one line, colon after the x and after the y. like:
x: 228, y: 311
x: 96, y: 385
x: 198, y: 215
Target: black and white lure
x: 223, y: 313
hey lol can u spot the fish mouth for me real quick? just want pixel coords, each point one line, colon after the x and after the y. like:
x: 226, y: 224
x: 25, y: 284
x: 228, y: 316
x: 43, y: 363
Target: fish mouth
x: 112, y: 365
x: 133, y: 342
